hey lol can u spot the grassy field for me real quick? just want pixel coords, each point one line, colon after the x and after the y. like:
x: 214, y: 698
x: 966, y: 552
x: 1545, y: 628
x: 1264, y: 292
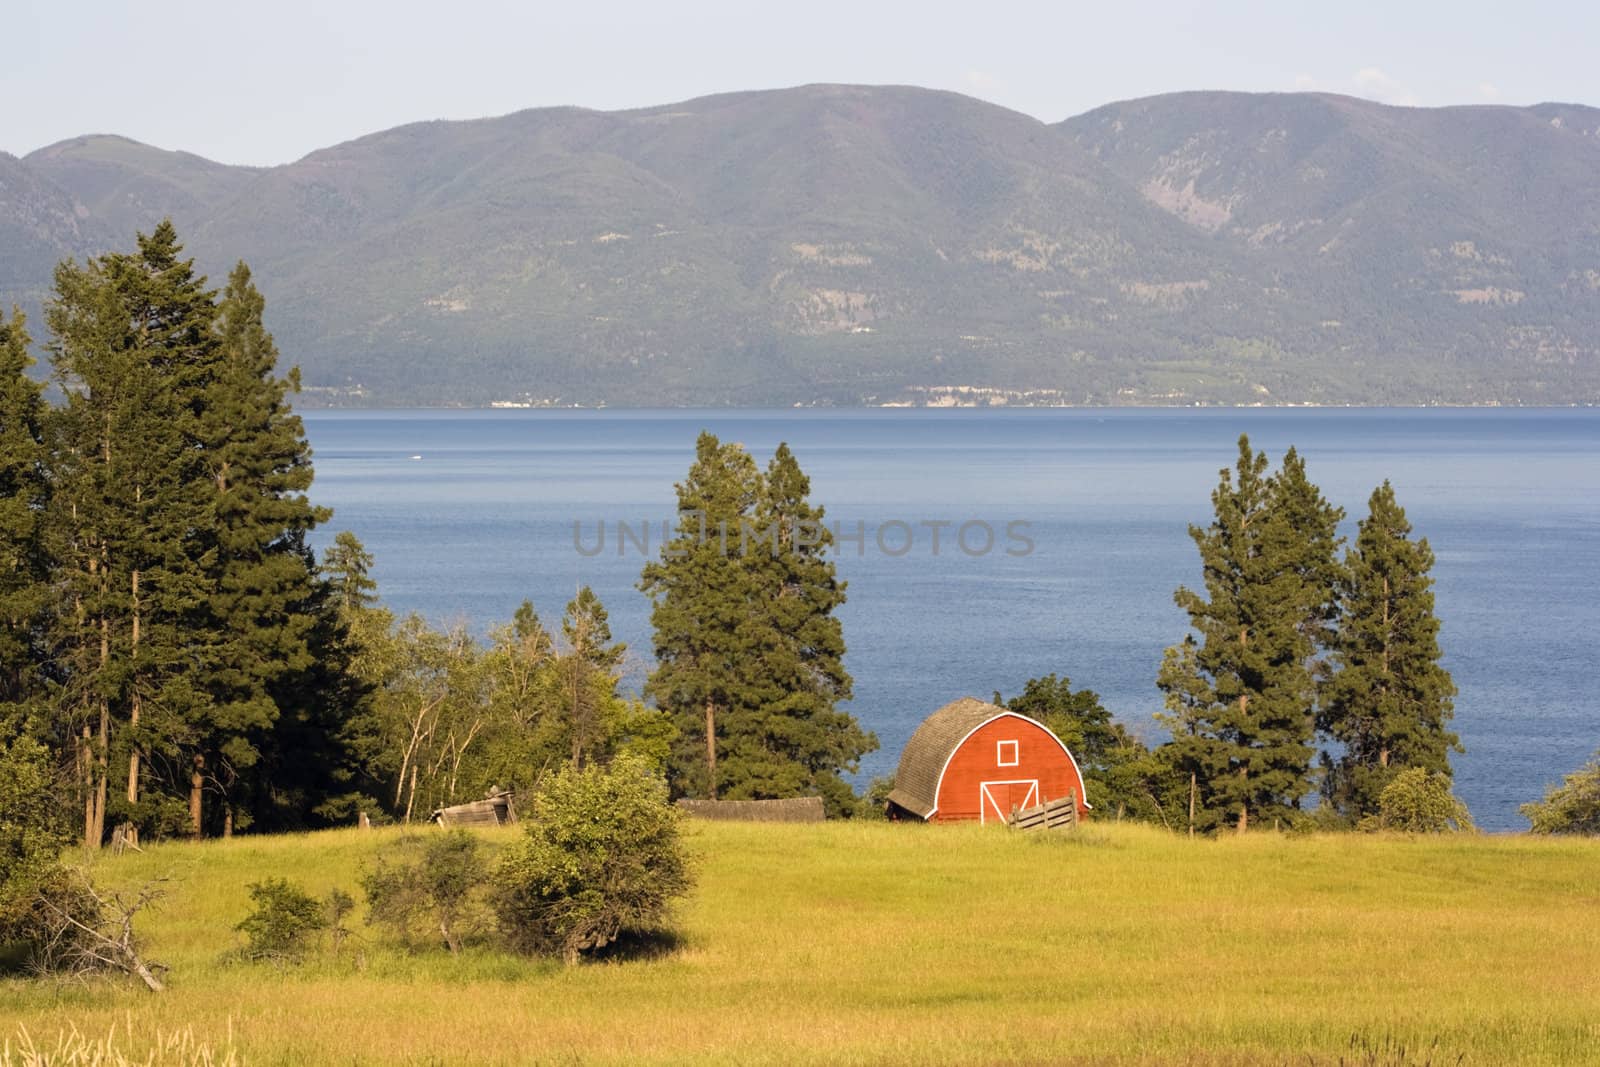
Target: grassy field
x: 873, y: 943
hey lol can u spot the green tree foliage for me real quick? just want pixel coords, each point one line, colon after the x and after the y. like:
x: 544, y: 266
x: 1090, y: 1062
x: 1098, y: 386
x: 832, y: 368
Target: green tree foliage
x: 196, y: 657
x: 1246, y: 690
x: 422, y: 886
x: 587, y: 671
x: 601, y: 856
x: 32, y: 833
x: 749, y: 652
x: 283, y: 922
x: 1419, y: 801
x: 134, y: 346
x: 1313, y: 552
x: 1388, y: 704
x: 794, y: 740
x: 523, y: 740
x: 1188, y: 698
x: 265, y: 605
x: 701, y: 594
x: 1117, y: 767
x: 443, y: 718
x: 1573, y: 807
x: 24, y: 577
x: 347, y: 567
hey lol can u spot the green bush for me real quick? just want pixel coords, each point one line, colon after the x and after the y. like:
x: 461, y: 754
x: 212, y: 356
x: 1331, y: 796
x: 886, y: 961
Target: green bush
x: 602, y: 856
x: 283, y: 923
x: 1419, y: 802
x: 337, y: 906
x: 874, y: 803
x: 428, y: 883
x: 31, y: 839
x: 1573, y: 807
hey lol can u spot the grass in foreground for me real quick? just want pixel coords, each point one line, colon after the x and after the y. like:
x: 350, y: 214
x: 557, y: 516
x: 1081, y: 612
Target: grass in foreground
x: 871, y: 943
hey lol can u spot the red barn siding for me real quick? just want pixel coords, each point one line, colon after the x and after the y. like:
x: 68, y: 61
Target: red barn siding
x: 1040, y: 759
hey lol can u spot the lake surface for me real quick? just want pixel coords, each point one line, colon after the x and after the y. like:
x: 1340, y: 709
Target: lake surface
x: 468, y: 513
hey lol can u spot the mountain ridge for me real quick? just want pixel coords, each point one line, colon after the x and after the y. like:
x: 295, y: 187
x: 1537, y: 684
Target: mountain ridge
x: 863, y: 244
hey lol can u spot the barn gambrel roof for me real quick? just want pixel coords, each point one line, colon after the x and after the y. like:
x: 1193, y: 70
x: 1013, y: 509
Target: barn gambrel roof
x: 916, y: 782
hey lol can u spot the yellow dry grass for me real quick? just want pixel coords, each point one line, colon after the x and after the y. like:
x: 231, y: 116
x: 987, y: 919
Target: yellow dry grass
x: 875, y: 943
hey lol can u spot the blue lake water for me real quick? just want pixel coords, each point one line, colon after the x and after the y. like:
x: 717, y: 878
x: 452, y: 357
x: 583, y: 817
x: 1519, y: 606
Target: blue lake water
x: 468, y: 513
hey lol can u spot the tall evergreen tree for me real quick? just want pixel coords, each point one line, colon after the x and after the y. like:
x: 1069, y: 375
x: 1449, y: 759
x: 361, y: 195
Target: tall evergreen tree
x: 588, y: 677
x: 133, y: 344
x: 264, y: 604
x: 1314, y: 550
x: 1193, y: 749
x: 794, y: 740
x: 347, y: 568
x: 1388, y: 704
x: 701, y: 612
x: 1252, y: 665
x: 24, y: 578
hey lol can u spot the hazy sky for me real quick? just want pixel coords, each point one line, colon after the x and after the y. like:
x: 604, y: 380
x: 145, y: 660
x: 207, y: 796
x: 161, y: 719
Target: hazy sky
x: 275, y: 80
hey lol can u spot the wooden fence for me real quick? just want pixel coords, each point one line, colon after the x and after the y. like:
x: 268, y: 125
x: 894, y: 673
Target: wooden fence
x: 793, y: 809
x: 1058, y: 814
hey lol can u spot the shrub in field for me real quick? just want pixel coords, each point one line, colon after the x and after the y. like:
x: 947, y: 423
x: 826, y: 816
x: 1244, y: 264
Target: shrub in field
x: 1419, y: 802
x: 337, y: 906
x: 429, y: 883
x: 602, y: 856
x: 31, y: 836
x: 1573, y: 807
x: 874, y: 803
x: 283, y: 923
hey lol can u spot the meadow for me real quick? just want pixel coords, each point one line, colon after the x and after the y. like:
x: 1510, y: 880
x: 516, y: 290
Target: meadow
x: 845, y: 943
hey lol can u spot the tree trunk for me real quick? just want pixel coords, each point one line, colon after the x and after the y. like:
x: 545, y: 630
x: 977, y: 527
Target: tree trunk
x: 711, y: 750
x: 134, y: 709
x: 1193, y: 789
x: 411, y: 796
x: 227, y: 819
x: 195, y: 782
x: 86, y: 774
x: 103, y: 776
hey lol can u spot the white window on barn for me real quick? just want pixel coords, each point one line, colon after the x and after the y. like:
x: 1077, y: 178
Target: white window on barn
x: 1005, y: 754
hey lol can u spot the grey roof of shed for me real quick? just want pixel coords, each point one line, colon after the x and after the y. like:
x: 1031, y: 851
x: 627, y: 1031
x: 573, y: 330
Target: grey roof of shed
x: 916, y: 782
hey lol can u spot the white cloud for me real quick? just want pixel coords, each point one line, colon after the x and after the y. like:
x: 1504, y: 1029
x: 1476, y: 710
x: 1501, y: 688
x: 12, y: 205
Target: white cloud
x: 1371, y: 83
x: 1374, y: 84
x: 982, y: 81
x: 1488, y: 91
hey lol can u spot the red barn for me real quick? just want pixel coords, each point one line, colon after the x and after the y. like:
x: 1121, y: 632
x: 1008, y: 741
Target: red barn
x: 972, y: 760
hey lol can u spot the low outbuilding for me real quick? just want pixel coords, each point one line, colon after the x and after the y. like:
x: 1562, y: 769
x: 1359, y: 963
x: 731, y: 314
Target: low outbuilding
x: 972, y: 760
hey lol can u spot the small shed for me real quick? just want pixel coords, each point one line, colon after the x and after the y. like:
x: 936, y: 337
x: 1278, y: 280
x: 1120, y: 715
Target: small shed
x: 496, y: 809
x: 972, y: 760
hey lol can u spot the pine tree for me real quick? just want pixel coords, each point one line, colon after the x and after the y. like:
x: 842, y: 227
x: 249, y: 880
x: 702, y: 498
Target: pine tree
x: 1388, y: 704
x: 701, y: 612
x: 1253, y: 661
x: 795, y: 740
x: 588, y: 674
x: 24, y: 577
x: 347, y: 568
x: 1315, y: 546
x: 1191, y: 752
x: 263, y: 603
x: 133, y: 346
